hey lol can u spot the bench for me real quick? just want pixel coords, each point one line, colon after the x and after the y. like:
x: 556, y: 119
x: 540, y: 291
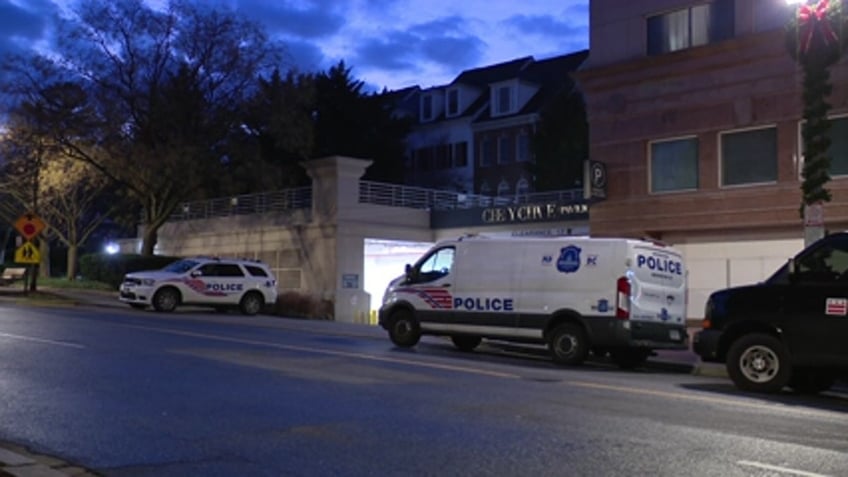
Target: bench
x: 11, y: 275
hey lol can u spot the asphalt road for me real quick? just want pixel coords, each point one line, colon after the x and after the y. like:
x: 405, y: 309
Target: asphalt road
x: 131, y: 393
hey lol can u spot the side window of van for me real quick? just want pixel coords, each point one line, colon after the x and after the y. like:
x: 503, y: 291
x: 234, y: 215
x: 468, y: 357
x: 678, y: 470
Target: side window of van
x: 825, y: 264
x: 436, y: 266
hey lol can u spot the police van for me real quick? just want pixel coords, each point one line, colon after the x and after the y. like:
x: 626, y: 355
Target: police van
x: 621, y: 297
x: 207, y: 281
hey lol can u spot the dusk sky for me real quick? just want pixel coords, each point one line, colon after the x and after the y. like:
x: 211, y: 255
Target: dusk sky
x: 391, y: 43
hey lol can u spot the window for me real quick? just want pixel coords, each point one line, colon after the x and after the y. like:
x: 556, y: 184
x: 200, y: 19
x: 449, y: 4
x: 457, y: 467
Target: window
x: 221, y: 270
x: 256, y: 271
x: 443, y: 158
x: 523, y: 147
x: 487, y: 152
x: 503, y: 100
x: 505, y: 150
x: 674, y: 165
x: 453, y: 102
x: 838, y: 151
x: 485, y: 188
x: 522, y: 187
x: 427, y: 107
x: 827, y: 263
x: 694, y: 26
x: 503, y: 189
x: 424, y: 158
x: 436, y: 266
x: 460, y: 154
x: 749, y: 157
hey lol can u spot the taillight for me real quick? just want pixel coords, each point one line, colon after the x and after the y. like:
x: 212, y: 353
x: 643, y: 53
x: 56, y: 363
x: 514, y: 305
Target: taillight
x: 622, y: 299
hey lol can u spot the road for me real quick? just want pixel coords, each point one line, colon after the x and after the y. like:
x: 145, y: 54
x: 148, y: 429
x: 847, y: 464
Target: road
x: 134, y: 393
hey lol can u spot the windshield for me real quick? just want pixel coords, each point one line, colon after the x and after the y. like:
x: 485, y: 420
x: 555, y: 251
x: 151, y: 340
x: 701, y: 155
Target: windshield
x: 181, y: 266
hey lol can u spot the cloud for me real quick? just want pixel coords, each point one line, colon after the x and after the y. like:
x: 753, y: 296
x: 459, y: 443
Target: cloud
x: 443, y: 42
x: 21, y: 27
x: 304, y: 56
x: 544, y: 25
x: 318, y: 19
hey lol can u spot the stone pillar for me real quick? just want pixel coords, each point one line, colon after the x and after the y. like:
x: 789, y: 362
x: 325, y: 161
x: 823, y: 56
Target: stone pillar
x: 335, y: 201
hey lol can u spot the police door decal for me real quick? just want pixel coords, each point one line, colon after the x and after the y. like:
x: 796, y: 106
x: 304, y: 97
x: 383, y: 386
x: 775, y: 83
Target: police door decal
x: 569, y: 259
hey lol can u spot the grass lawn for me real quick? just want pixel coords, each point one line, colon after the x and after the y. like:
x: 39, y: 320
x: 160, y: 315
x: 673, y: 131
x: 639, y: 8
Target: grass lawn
x: 76, y: 284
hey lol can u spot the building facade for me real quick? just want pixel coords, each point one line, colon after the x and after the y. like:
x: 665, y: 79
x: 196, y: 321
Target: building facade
x: 473, y: 135
x: 695, y: 108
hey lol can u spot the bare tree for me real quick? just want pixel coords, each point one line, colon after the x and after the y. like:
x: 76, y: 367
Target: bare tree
x: 67, y: 194
x: 147, y: 97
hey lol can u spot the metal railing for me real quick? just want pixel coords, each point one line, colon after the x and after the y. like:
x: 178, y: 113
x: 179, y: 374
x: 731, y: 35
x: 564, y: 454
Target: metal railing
x: 420, y: 198
x: 369, y: 193
x: 246, y: 204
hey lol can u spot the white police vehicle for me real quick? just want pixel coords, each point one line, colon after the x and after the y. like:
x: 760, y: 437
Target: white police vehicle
x: 220, y: 283
x: 613, y: 296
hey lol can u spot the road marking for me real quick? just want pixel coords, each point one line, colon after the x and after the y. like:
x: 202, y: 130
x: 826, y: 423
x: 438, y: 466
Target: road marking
x: 782, y: 470
x: 344, y: 354
x: 43, y: 341
x: 759, y: 405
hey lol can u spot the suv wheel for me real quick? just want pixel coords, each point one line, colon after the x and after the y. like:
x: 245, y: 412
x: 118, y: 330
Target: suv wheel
x: 166, y: 299
x: 251, y: 303
x: 404, y: 330
x: 568, y: 344
x: 758, y: 362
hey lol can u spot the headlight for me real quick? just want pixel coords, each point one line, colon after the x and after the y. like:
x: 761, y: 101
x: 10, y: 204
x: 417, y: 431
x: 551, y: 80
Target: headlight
x: 148, y: 282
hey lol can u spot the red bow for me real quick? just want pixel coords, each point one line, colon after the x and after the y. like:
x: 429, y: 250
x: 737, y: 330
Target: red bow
x: 812, y: 18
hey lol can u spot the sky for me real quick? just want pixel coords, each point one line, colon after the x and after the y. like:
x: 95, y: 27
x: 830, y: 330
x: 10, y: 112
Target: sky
x: 388, y: 43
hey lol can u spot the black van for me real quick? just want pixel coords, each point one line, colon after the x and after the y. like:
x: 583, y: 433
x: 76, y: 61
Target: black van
x: 790, y: 330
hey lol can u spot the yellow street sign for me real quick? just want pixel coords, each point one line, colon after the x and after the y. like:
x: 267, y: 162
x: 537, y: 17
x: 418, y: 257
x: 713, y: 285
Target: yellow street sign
x: 27, y: 253
x: 29, y: 225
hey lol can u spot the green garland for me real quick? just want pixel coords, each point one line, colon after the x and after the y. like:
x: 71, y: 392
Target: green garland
x: 816, y: 38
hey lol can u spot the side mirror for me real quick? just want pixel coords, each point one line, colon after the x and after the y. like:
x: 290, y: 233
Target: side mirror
x: 407, y: 269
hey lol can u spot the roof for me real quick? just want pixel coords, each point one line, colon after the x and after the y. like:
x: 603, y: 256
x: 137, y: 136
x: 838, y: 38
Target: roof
x: 486, y: 75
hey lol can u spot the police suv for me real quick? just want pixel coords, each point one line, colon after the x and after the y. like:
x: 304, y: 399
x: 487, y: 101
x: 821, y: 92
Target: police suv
x: 220, y: 283
x: 790, y: 330
x: 613, y: 296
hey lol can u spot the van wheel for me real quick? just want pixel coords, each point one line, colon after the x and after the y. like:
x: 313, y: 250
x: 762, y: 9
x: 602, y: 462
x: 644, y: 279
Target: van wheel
x: 404, y: 330
x: 466, y: 343
x: 758, y: 362
x: 251, y: 303
x: 568, y: 344
x: 629, y: 358
x: 166, y: 299
x: 810, y: 381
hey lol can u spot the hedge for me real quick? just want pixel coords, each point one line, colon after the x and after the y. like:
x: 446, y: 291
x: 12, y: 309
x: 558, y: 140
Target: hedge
x: 111, y: 269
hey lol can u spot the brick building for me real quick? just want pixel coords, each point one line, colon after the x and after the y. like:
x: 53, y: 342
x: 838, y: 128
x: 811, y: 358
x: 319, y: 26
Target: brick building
x: 695, y: 108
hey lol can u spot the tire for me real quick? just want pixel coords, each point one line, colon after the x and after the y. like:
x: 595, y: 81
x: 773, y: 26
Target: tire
x: 758, y: 362
x: 568, y: 344
x: 466, y: 343
x: 404, y: 330
x: 166, y: 299
x: 138, y: 306
x: 810, y: 381
x: 251, y: 303
x: 629, y: 358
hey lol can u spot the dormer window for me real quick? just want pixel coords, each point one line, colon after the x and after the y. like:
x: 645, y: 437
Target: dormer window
x: 427, y: 107
x: 503, y: 100
x: 453, y: 102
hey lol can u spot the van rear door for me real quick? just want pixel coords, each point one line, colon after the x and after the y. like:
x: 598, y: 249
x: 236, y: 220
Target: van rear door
x: 657, y: 276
